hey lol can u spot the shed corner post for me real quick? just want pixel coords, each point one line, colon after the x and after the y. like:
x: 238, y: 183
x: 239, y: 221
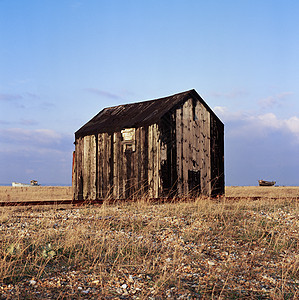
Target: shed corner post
x: 74, y: 174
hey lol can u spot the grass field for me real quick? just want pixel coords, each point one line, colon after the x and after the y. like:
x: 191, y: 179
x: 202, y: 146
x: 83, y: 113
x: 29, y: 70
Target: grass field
x: 8, y: 193
x: 202, y: 249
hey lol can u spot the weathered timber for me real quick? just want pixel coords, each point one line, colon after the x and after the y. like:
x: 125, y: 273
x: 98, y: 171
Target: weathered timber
x: 172, y: 146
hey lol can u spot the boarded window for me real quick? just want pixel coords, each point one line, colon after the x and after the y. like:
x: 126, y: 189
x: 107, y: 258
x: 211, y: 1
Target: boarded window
x: 128, y: 139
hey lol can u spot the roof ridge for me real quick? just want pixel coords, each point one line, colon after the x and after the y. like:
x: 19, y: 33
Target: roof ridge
x: 143, y: 113
x: 150, y: 100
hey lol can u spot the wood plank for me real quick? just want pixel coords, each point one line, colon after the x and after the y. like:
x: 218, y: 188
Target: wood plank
x: 179, y: 142
x: 157, y: 164
x: 150, y: 161
x: 138, y: 163
x: 92, y: 166
x: 145, y: 161
x: 208, y: 153
x: 116, y: 162
x: 108, y: 165
x: 124, y: 172
x: 197, y: 136
x: 100, y: 166
x: 187, y: 153
x: 205, y: 132
x: 79, y: 169
x: 86, y: 164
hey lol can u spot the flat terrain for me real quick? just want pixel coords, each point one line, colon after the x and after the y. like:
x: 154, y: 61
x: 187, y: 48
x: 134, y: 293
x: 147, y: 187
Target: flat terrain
x: 38, y: 193
x: 262, y: 191
x: 202, y: 249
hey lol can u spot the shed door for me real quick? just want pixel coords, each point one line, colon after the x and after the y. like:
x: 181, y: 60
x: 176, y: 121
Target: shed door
x: 194, y: 182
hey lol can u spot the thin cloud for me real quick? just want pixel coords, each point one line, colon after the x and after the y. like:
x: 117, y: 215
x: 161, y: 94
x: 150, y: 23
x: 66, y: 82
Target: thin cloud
x: 36, y: 136
x: 104, y: 93
x: 257, y: 125
x: 26, y: 122
x: 226, y: 115
x: 17, y: 97
x: 274, y: 100
x: 10, y: 97
x: 47, y: 105
x: 2, y: 122
x: 32, y: 95
x: 230, y: 95
x: 293, y: 125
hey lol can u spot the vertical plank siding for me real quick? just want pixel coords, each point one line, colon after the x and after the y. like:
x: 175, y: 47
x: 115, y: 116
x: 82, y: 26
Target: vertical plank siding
x: 116, y: 166
x: 104, y: 168
x: 193, y: 146
x: 179, y: 150
x: 217, y: 157
x: 180, y: 155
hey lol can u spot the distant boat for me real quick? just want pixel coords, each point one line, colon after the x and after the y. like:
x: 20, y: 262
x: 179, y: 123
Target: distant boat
x: 266, y: 183
x: 32, y: 183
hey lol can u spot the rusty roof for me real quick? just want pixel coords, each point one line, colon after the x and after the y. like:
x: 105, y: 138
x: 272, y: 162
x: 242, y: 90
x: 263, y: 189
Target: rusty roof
x: 113, y: 119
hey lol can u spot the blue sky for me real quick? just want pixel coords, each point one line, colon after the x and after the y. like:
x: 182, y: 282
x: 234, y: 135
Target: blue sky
x: 62, y: 61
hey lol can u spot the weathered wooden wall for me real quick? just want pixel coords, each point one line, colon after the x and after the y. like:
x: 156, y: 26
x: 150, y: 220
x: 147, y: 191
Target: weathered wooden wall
x: 193, y: 148
x: 104, y: 168
x: 180, y: 155
x: 217, y: 157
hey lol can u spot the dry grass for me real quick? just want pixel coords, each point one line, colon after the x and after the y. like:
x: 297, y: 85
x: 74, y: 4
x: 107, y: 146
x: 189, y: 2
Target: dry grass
x: 198, y: 249
x: 8, y: 193
x: 262, y: 191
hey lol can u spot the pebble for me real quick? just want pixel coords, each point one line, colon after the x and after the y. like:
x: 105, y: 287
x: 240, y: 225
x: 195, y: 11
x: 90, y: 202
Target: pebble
x: 32, y: 282
x: 211, y: 263
x: 95, y: 282
x: 211, y: 256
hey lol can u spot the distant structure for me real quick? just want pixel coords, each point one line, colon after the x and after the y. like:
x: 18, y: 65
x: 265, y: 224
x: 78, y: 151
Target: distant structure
x: 173, y: 146
x: 32, y: 183
x: 266, y: 183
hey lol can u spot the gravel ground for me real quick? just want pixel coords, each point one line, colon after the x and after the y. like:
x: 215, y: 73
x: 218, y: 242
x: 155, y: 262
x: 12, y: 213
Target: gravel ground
x: 190, y: 252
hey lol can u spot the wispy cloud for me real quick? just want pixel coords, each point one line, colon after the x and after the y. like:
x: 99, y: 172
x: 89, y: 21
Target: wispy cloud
x: 27, y: 122
x: 226, y: 115
x: 260, y: 145
x: 274, y: 100
x: 3, y: 122
x: 230, y: 95
x: 32, y: 95
x: 35, y: 137
x: 47, y: 105
x: 24, y: 122
x: 103, y: 93
x: 17, y: 97
x: 20, y: 100
x: 244, y: 123
x: 42, y: 153
x: 10, y: 97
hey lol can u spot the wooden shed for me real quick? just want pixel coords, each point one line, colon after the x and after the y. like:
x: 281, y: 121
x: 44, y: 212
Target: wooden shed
x: 172, y: 146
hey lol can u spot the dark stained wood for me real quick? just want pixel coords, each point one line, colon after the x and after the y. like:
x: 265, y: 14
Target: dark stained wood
x: 180, y: 153
x: 217, y: 157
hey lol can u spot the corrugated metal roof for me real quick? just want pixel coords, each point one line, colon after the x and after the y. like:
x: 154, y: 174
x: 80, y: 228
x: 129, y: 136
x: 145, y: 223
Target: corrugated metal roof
x: 112, y: 119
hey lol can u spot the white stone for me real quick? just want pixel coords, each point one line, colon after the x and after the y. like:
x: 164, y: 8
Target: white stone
x: 32, y: 282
